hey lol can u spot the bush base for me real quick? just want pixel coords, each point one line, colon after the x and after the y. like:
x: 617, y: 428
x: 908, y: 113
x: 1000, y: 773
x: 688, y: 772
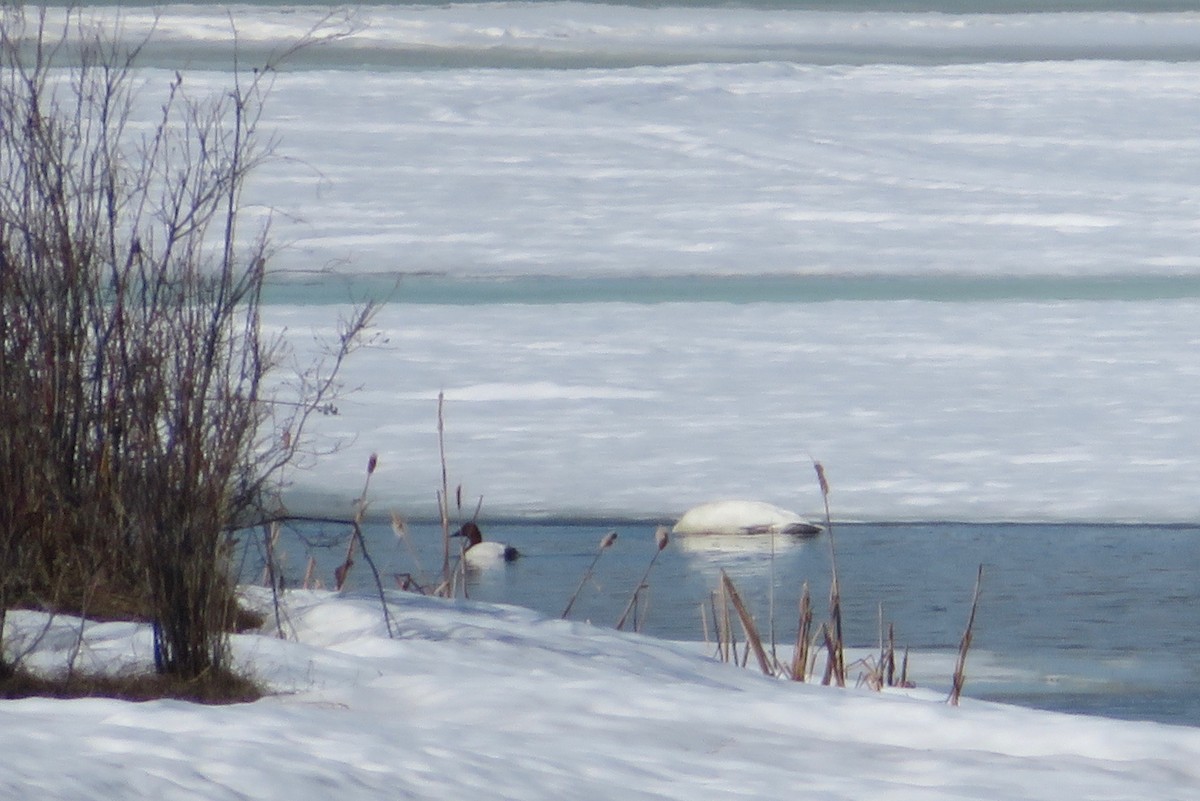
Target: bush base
x: 215, y: 687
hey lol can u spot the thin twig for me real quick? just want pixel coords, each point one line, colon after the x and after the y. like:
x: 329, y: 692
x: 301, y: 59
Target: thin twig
x: 387, y: 617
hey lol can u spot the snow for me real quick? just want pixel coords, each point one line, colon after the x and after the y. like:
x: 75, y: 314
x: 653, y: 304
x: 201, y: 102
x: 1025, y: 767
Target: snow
x: 1039, y: 405
x: 470, y: 700
x: 918, y: 410
x: 727, y: 141
x: 1014, y: 169
x: 1039, y: 163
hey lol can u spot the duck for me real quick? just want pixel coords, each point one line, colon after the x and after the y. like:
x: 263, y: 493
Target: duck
x: 743, y: 517
x: 479, y: 553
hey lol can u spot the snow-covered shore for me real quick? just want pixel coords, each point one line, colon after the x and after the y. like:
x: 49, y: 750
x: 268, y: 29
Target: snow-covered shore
x: 489, y: 702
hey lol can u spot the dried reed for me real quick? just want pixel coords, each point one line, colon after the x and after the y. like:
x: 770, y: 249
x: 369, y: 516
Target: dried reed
x: 308, y: 573
x: 753, y: 640
x: 661, y: 539
x: 881, y: 670
x: 443, y: 500
x: 803, y: 632
x: 342, y: 573
x: 833, y: 636
x: 831, y: 657
x: 961, y: 663
x: 726, y: 647
x: 887, y: 658
x: 400, y: 529
x: 605, y: 543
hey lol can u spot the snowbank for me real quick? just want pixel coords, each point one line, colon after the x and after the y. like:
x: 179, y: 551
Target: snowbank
x: 486, y: 702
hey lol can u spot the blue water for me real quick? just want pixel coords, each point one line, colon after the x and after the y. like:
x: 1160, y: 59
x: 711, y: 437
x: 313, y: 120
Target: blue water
x: 327, y: 289
x: 602, y: 42
x: 1091, y: 619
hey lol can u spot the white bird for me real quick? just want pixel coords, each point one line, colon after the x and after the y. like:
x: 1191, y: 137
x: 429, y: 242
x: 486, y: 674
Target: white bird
x: 743, y: 517
x: 481, y: 554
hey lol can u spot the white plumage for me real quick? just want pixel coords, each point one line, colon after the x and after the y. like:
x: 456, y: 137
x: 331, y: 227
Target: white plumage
x: 479, y: 554
x: 743, y: 517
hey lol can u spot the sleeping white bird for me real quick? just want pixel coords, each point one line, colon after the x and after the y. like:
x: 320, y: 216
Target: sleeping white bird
x: 743, y: 517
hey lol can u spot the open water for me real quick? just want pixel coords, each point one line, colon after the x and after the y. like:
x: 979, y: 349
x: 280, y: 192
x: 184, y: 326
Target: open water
x: 1079, y: 618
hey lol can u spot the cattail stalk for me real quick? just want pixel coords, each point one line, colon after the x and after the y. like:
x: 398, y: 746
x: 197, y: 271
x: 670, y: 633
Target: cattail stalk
x: 661, y: 538
x: 605, y: 543
x: 837, y: 645
x: 400, y: 529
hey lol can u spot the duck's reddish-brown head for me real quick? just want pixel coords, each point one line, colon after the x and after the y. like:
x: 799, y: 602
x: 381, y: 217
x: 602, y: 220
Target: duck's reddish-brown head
x: 472, y: 533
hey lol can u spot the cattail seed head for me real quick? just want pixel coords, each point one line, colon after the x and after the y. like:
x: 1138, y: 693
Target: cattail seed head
x: 662, y: 537
x: 372, y: 462
x: 821, y: 477
x: 608, y: 540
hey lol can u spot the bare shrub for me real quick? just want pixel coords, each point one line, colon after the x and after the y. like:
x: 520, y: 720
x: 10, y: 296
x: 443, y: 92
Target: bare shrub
x: 135, y: 424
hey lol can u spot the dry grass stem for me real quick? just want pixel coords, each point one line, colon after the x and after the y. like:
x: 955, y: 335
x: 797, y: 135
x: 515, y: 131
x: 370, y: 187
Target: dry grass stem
x: 342, y: 573
x: 964, y: 646
x: 831, y: 656
x: 803, y: 635
x: 661, y: 539
x: 356, y: 536
x: 400, y: 529
x: 606, y: 542
x: 835, y: 637
x: 721, y: 628
x: 890, y: 663
x: 753, y: 641
x: 443, y: 499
